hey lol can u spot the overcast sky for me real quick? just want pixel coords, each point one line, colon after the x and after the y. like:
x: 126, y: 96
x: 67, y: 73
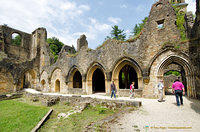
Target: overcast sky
x: 68, y: 19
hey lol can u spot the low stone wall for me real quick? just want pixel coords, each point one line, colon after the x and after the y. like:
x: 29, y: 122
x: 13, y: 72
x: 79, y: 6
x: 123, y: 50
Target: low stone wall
x: 126, y: 92
x: 49, y: 100
x: 75, y: 91
x: 10, y: 96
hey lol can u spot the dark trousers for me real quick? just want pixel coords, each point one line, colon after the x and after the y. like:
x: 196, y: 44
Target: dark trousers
x: 179, y: 93
x: 113, y: 93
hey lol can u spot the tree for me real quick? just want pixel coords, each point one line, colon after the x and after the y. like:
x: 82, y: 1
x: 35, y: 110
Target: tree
x: 55, y: 46
x: 138, y: 27
x: 180, y: 21
x: 117, y: 34
x: 17, y: 40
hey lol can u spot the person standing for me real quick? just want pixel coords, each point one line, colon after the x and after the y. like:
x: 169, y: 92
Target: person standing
x: 113, y: 89
x: 178, y: 89
x: 132, y: 89
x: 160, y: 90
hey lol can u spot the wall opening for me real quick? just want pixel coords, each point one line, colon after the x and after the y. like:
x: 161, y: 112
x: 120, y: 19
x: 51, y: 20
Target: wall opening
x: 176, y: 72
x: 160, y: 24
x: 98, y: 81
x: 77, y: 80
x: 57, y: 86
x: 16, y: 39
x: 126, y: 75
x: 43, y: 83
x: 29, y: 79
x: 186, y: 70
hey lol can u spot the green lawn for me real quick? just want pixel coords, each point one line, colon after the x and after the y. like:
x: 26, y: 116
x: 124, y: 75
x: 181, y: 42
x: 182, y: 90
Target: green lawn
x: 76, y: 122
x: 17, y: 116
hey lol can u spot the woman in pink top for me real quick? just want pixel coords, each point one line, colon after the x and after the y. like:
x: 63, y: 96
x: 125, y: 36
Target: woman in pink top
x: 132, y: 89
x: 178, y: 87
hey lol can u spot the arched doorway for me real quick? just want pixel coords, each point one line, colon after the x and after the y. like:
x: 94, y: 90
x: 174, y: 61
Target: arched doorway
x: 172, y: 72
x: 98, y: 81
x: 186, y: 72
x: 29, y: 79
x: 124, y: 72
x: 43, y: 84
x: 126, y: 75
x: 77, y: 80
x: 57, y: 86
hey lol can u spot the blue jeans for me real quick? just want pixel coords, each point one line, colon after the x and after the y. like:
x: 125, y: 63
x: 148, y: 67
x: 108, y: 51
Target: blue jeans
x: 113, y: 92
x: 179, y: 93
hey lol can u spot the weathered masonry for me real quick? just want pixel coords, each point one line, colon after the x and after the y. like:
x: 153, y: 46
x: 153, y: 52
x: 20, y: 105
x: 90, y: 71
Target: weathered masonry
x: 144, y: 60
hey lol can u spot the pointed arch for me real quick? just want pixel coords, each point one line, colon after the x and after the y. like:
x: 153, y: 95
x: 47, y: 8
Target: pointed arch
x: 57, y: 75
x: 132, y: 64
x: 44, y: 81
x: 90, y: 82
x: 183, y: 62
x: 28, y: 79
x: 161, y: 61
x: 74, y: 77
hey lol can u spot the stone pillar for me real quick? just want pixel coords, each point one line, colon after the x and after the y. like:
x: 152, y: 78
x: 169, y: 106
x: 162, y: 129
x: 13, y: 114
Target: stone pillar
x: 84, y: 83
x: 89, y: 86
x: 108, y: 81
x: 82, y: 42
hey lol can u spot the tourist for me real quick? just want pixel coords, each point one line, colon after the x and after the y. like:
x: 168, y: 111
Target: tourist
x: 113, y: 89
x: 160, y: 90
x: 178, y: 89
x: 132, y: 89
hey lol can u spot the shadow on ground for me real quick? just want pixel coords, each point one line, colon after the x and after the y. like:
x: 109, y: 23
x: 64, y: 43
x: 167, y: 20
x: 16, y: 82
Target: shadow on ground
x: 195, y: 105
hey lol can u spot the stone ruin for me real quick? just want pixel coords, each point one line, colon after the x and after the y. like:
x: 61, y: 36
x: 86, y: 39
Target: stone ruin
x: 87, y: 71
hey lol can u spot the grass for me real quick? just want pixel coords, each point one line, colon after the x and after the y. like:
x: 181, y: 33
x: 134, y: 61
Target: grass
x: 76, y: 122
x: 17, y: 116
x: 21, y: 115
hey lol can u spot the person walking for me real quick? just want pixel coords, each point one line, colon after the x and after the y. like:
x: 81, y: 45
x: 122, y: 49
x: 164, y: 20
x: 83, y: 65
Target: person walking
x: 132, y: 89
x: 178, y: 89
x: 113, y: 89
x: 160, y: 90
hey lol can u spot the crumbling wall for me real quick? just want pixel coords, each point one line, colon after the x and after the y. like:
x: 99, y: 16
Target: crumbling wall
x: 18, y: 52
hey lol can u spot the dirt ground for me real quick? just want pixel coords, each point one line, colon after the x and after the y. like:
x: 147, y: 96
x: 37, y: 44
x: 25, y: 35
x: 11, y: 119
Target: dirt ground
x: 156, y: 116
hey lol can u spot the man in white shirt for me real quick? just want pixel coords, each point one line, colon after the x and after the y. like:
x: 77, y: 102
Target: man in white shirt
x: 160, y: 90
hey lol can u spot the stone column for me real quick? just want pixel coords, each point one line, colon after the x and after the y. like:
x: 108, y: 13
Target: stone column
x: 84, y: 83
x: 108, y: 82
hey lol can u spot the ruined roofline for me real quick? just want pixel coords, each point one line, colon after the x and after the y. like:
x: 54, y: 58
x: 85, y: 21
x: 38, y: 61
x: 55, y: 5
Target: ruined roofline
x: 17, y: 30
x: 39, y: 28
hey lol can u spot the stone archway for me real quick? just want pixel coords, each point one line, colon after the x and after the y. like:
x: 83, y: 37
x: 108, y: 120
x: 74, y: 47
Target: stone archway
x: 77, y: 80
x: 29, y: 79
x: 98, y: 81
x: 126, y: 75
x: 186, y: 66
x: 43, y: 83
x: 57, y: 77
x: 130, y: 65
x: 93, y: 72
x: 57, y: 85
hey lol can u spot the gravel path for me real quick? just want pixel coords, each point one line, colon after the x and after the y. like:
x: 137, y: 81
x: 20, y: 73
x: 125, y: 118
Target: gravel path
x: 154, y: 116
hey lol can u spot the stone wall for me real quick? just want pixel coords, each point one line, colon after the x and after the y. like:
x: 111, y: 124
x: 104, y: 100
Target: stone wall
x: 157, y: 47
x: 145, y: 54
x: 17, y: 52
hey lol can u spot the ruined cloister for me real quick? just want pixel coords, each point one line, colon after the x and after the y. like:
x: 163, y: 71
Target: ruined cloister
x: 143, y: 60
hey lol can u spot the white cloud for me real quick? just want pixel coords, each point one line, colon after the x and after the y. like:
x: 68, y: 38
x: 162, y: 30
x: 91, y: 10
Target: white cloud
x: 84, y: 7
x: 123, y: 6
x: 114, y: 20
x: 139, y: 8
x: 68, y: 6
x: 191, y: 5
x: 96, y: 28
x: 56, y: 16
